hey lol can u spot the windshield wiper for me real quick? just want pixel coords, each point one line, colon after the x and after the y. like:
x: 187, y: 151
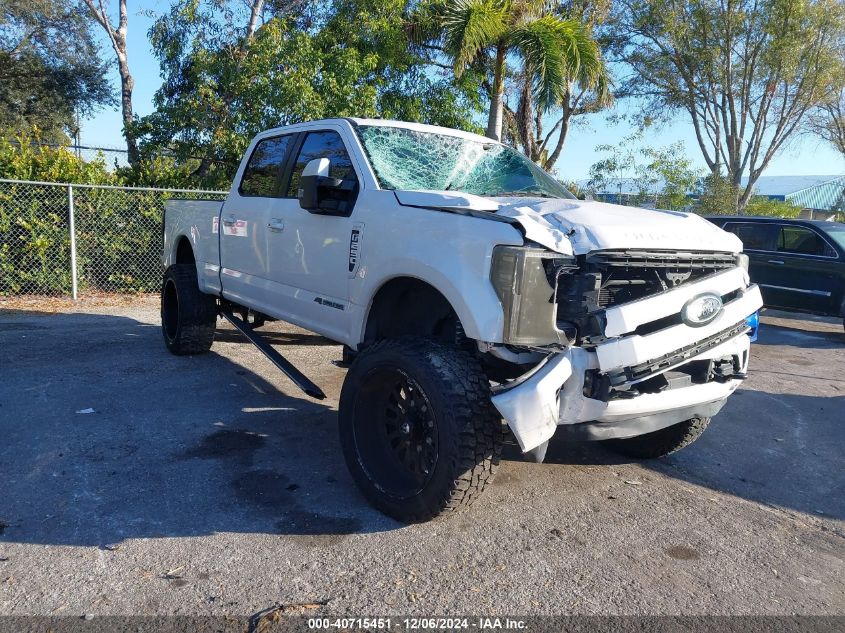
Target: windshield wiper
x: 521, y: 194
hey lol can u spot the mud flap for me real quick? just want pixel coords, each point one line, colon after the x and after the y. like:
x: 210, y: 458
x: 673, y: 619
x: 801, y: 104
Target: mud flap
x: 531, y: 407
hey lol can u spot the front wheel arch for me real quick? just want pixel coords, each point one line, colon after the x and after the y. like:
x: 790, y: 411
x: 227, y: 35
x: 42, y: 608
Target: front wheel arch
x: 408, y: 306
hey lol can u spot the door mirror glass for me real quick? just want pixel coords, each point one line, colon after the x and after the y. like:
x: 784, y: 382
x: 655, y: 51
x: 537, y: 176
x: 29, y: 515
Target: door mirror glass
x: 317, y: 167
x: 319, y: 193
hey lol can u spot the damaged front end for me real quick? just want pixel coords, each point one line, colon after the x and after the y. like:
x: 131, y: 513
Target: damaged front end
x: 614, y: 354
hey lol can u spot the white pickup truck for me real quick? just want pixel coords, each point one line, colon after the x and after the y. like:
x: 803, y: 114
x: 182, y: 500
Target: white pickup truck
x: 467, y: 287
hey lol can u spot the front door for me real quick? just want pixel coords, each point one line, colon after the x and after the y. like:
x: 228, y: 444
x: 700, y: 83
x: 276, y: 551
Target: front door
x: 808, y: 278
x: 308, y: 253
x: 759, y: 242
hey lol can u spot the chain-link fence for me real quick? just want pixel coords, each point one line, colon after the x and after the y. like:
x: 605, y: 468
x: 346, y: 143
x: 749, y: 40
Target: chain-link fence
x: 112, y: 157
x: 68, y: 239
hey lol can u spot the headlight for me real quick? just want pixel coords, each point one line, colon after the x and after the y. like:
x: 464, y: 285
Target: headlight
x: 524, y: 280
x: 742, y: 261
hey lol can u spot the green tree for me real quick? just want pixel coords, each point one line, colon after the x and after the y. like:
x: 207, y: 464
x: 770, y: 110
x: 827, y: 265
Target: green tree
x: 746, y: 72
x: 761, y: 205
x: 485, y: 34
x: 828, y: 121
x: 229, y: 74
x: 661, y: 177
x: 584, y: 94
x: 716, y: 196
x: 50, y: 71
x: 117, y: 38
x: 25, y: 156
x: 617, y: 169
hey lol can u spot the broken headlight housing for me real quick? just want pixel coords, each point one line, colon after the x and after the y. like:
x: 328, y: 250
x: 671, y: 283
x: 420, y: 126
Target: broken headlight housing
x: 525, y: 280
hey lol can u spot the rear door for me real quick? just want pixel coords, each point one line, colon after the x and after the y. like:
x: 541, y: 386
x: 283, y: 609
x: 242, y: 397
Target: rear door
x: 244, y: 269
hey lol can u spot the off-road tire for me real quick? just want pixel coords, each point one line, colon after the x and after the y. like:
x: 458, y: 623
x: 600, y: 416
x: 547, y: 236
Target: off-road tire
x: 659, y: 443
x: 188, y: 316
x: 467, y: 429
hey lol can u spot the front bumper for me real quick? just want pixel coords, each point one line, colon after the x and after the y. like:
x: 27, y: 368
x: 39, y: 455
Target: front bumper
x: 553, y: 393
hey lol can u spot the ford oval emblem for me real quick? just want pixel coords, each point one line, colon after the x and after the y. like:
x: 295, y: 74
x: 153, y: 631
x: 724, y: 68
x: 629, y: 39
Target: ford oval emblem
x: 702, y: 309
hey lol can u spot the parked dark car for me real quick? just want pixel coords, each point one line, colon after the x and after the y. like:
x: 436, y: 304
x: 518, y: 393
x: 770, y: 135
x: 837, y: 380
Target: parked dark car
x: 798, y: 264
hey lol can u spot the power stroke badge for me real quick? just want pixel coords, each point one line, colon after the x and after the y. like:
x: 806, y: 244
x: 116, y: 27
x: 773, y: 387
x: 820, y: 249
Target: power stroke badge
x: 355, y: 247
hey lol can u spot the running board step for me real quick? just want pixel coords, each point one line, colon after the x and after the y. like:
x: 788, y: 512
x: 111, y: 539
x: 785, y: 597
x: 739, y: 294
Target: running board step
x: 298, y: 378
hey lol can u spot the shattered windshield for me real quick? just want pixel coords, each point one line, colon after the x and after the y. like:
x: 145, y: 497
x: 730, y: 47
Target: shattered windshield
x: 409, y: 159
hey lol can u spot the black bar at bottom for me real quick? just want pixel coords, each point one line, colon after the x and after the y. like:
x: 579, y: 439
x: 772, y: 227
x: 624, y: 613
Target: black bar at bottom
x: 298, y: 378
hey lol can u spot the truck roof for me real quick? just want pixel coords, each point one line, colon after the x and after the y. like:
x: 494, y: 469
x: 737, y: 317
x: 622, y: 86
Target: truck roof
x: 419, y: 127
x: 422, y: 127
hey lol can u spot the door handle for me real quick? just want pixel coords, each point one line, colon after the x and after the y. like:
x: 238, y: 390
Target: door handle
x: 229, y: 220
x: 776, y: 261
x: 276, y: 225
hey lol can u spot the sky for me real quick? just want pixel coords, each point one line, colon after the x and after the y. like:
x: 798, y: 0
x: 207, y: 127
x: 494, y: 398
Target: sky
x: 804, y: 155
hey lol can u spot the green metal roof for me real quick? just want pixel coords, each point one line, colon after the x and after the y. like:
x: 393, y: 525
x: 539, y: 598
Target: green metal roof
x: 825, y: 196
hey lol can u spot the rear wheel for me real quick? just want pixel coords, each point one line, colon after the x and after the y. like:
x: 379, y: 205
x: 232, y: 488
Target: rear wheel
x: 418, y: 431
x: 662, y: 442
x: 188, y: 316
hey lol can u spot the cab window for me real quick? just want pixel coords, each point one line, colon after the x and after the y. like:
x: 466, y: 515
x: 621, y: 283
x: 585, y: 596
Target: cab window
x: 803, y: 241
x: 324, y: 144
x: 261, y: 176
x: 755, y: 236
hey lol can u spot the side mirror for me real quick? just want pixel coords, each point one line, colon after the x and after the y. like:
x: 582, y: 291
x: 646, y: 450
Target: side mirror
x: 308, y: 182
x: 319, y: 193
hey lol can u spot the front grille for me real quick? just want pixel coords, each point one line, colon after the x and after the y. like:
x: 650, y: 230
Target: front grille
x: 628, y: 276
x: 609, y: 278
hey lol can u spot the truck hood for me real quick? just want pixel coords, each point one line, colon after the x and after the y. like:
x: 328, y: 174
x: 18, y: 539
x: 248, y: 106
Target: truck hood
x: 580, y: 226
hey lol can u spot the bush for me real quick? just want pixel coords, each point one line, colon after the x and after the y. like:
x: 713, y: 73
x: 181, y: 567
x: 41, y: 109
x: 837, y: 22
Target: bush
x: 717, y: 196
x: 25, y: 158
x: 761, y: 205
x: 118, y: 231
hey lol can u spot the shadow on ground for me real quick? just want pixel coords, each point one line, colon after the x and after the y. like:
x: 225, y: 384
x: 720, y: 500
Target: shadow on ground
x: 185, y: 446
x: 775, y: 449
x: 800, y: 331
x: 176, y: 446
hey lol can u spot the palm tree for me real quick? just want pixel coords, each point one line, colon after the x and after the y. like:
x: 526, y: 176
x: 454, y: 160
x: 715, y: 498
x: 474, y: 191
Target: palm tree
x: 552, y: 50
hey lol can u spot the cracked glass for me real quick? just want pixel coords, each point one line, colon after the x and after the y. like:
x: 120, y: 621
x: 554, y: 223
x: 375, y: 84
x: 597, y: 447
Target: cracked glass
x: 408, y: 159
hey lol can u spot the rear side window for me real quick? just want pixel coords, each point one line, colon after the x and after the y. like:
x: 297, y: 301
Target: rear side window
x: 803, y: 241
x: 261, y: 176
x: 755, y: 236
x: 322, y: 145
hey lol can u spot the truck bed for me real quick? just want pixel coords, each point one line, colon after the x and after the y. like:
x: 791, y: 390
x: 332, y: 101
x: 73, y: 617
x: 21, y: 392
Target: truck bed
x: 199, y: 220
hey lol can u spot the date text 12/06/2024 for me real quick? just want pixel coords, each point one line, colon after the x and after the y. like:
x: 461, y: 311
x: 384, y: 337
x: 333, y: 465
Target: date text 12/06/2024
x: 417, y: 624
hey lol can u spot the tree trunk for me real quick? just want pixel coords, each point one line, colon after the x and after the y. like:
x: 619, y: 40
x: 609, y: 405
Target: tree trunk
x: 525, y: 118
x: 739, y: 201
x: 255, y: 12
x: 127, y: 85
x: 117, y: 37
x: 494, y: 121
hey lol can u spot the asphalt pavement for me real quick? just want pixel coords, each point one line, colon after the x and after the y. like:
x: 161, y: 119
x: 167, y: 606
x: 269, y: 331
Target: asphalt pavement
x: 136, y: 482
